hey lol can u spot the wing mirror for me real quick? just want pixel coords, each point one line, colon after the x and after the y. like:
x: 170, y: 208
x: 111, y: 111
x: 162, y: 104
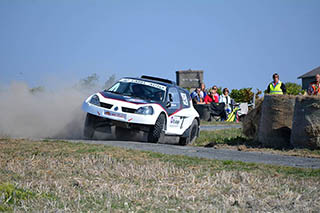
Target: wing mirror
x: 170, y: 98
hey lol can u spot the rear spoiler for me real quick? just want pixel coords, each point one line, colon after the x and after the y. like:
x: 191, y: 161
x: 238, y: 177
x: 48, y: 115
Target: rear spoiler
x: 158, y: 79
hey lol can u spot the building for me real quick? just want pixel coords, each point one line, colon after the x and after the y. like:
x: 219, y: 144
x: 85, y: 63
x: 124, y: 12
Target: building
x: 308, y: 77
x: 189, y: 78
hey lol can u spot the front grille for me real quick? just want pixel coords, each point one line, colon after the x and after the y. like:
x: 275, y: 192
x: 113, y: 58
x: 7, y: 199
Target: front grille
x: 104, y: 105
x: 129, y: 110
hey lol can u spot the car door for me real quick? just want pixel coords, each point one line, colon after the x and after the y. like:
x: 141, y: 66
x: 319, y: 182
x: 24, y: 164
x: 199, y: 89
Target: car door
x: 174, y: 121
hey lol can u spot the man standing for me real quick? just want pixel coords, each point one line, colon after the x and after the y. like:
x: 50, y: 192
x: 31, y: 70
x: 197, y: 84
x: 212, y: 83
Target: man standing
x: 314, y: 87
x: 276, y: 86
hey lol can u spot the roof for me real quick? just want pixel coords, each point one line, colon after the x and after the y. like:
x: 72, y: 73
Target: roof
x: 154, y: 81
x: 312, y: 73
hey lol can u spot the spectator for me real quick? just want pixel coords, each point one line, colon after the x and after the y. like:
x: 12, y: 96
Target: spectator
x: 216, y: 108
x: 216, y: 88
x: 212, y: 97
x: 276, y: 86
x: 203, y: 92
x: 226, y: 99
x: 196, y: 97
x: 314, y: 86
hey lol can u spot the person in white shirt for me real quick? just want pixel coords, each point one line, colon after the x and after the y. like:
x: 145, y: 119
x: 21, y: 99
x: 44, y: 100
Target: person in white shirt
x: 226, y: 99
x: 203, y: 92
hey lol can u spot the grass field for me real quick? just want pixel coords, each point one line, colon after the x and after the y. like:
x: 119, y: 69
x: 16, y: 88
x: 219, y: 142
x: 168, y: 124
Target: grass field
x: 59, y: 176
x: 235, y: 139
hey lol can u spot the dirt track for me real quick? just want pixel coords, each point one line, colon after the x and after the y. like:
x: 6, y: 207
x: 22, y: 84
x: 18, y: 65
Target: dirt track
x: 210, y: 153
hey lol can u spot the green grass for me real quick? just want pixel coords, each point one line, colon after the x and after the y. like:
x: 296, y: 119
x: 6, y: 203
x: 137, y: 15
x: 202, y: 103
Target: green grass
x: 225, y: 136
x: 234, y: 139
x: 12, y: 195
x: 218, y: 123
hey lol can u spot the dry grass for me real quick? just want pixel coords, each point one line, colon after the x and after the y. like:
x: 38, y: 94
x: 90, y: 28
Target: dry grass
x: 60, y: 176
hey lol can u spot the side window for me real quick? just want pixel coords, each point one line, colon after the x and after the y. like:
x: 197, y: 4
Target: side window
x: 185, y: 98
x: 173, y: 97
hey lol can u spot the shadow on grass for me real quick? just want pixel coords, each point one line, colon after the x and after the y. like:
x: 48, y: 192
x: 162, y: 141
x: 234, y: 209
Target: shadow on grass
x: 237, y: 141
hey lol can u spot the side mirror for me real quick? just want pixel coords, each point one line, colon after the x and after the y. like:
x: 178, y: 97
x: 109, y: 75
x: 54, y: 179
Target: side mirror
x: 170, y: 98
x: 168, y: 104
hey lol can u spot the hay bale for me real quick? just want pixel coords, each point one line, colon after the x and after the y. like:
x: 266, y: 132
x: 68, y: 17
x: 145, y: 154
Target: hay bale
x: 276, y: 121
x: 306, y: 123
x: 250, y: 123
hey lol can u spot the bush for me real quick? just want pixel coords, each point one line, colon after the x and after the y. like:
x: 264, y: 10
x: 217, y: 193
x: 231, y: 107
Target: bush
x: 293, y: 88
x: 244, y: 95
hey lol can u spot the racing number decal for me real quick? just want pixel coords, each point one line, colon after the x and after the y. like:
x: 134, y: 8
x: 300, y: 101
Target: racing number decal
x: 184, y: 99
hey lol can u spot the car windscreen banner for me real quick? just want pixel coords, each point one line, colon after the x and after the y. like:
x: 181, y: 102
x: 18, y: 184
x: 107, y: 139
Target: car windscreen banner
x: 151, y: 84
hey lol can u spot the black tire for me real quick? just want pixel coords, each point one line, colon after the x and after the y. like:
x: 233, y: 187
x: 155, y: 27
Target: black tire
x: 89, y: 126
x: 156, y: 133
x: 192, y: 134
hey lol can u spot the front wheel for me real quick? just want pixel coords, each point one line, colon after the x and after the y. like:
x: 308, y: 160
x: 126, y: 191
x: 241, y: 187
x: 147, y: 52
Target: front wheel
x: 156, y: 133
x: 89, y: 126
x: 192, y: 134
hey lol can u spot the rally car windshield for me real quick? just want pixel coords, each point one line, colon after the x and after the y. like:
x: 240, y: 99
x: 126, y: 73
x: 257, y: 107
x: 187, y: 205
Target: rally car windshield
x: 139, y: 89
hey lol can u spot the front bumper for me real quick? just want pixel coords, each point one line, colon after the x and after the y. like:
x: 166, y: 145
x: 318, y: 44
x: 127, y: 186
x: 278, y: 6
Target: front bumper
x: 104, y: 124
x: 119, y: 118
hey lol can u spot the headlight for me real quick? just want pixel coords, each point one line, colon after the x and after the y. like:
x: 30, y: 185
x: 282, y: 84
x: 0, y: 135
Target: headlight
x: 95, y: 100
x: 146, y: 110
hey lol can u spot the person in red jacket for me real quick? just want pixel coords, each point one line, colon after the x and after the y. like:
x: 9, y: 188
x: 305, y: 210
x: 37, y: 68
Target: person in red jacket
x: 212, y: 97
x: 314, y: 86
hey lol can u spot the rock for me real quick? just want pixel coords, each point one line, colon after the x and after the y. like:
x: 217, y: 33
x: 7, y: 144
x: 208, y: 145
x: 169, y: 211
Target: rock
x: 306, y: 123
x: 250, y: 122
x: 276, y: 121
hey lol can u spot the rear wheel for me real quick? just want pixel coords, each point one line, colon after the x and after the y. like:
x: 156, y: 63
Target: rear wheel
x: 192, y: 134
x: 156, y: 133
x: 89, y: 126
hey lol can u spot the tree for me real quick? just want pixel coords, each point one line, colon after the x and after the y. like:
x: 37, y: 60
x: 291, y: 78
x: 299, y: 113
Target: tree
x: 35, y: 90
x: 89, y: 82
x: 111, y: 80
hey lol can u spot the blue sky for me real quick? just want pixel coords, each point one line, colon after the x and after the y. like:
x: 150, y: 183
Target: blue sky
x: 237, y: 43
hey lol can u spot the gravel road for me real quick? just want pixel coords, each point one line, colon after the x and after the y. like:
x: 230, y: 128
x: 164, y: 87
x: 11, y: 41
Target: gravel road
x: 210, y: 153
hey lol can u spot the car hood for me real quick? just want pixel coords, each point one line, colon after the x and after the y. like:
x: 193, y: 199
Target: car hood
x: 126, y: 98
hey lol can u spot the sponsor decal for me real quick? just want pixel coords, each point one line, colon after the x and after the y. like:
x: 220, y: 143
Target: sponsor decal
x: 135, y: 100
x: 151, y: 84
x: 174, y: 121
x: 115, y: 114
x: 130, y: 120
x: 98, y: 112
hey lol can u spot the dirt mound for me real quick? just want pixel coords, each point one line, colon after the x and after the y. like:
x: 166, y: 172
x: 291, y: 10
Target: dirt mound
x: 306, y: 123
x: 276, y: 121
x: 250, y: 123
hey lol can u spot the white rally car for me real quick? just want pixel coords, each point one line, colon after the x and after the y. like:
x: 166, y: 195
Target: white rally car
x: 153, y: 105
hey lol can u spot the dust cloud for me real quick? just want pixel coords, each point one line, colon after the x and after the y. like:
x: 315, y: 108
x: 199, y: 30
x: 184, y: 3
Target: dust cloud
x: 43, y: 114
